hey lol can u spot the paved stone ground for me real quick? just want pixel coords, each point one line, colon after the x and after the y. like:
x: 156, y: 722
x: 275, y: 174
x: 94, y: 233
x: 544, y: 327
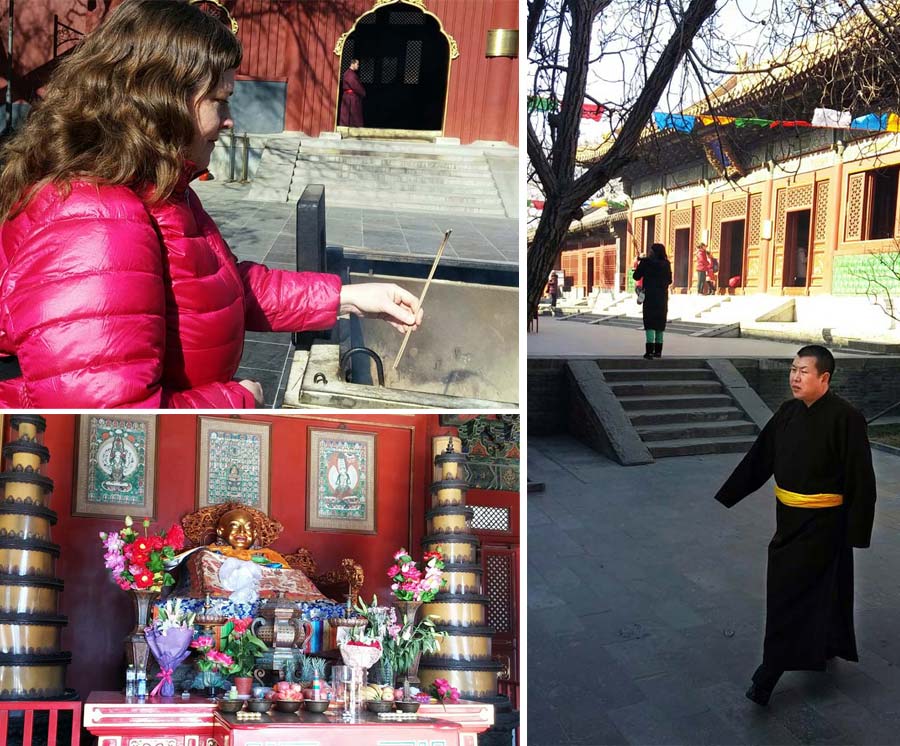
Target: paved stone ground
x: 646, y: 610
x: 265, y: 232
x: 573, y: 339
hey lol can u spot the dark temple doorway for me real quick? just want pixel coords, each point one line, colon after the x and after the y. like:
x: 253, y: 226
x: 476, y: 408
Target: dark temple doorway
x: 682, y: 258
x: 404, y: 62
x: 731, y: 261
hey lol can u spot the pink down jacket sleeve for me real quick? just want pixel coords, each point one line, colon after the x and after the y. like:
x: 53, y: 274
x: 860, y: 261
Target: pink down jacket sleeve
x: 283, y: 301
x: 83, y: 308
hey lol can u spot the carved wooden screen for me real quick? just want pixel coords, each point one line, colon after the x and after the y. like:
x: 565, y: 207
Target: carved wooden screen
x: 715, y: 230
x: 856, y: 188
x: 500, y: 565
x: 787, y: 199
x: 820, y: 235
x: 754, y: 242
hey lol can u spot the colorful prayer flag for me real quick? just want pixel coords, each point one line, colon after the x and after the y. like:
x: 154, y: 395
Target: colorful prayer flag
x: 877, y: 122
x: 541, y: 103
x: 680, y: 122
x: 752, y: 122
x: 592, y: 111
x: 831, y: 118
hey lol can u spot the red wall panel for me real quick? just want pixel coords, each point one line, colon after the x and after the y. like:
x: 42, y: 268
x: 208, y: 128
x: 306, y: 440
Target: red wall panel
x: 296, y: 42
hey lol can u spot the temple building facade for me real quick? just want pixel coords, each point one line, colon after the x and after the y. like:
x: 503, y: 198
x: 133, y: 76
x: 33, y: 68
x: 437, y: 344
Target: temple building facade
x: 432, y: 68
x: 785, y: 208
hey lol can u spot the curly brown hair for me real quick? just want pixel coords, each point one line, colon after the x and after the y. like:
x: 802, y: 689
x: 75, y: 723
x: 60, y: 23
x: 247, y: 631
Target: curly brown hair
x: 118, y: 110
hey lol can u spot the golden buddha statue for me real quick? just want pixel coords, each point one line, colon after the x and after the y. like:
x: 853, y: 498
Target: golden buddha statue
x: 237, y: 533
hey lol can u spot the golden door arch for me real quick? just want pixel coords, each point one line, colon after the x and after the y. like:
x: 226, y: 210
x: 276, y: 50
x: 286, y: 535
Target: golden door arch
x: 405, y: 56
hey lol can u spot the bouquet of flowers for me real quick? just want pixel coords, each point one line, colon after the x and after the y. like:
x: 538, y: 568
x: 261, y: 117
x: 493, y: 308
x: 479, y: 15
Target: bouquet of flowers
x: 242, y: 645
x: 361, y: 654
x: 443, y: 692
x: 137, y: 562
x: 211, y: 658
x: 409, y: 583
x: 169, y: 638
x: 212, y: 664
x: 406, y: 642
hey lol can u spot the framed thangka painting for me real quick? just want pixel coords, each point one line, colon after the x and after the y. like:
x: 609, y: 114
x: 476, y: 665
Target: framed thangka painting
x: 341, y: 494
x: 115, y: 467
x: 234, y: 463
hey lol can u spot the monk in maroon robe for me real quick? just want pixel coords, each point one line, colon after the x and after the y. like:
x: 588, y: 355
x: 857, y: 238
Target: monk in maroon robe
x: 353, y: 92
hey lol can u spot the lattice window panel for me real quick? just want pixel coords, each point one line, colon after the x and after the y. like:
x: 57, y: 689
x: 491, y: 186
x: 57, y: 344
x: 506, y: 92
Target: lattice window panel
x: 755, y: 223
x: 368, y: 18
x: 413, y: 62
x: 855, y: 190
x: 498, y: 590
x: 734, y: 208
x: 657, y: 229
x: 799, y: 197
x: 715, y: 233
x: 366, y: 70
x: 821, y: 230
x: 678, y: 219
x: 780, y: 233
x: 407, y: 18
x: 488, y: 518
x: 389, y: 68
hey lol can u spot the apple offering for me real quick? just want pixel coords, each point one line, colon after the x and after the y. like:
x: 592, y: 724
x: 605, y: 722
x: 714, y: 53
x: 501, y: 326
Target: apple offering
x: 286, y: 692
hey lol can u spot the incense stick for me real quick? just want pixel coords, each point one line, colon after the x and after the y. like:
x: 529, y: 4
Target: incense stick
x: 422, y: 296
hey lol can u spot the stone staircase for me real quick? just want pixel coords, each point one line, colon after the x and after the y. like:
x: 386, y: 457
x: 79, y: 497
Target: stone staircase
x: 678, y: 406
x: 420, y: 177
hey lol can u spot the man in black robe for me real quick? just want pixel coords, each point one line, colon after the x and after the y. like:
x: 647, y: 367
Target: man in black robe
x: 352, y: 94
x: 817, y: 448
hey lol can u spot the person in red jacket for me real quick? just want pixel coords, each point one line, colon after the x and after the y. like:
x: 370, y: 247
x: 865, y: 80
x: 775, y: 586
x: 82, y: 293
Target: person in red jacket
x: 703, y: 266
x: 116, y: 287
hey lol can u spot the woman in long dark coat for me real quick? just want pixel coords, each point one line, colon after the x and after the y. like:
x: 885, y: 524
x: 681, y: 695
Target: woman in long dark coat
x: 656, y: 273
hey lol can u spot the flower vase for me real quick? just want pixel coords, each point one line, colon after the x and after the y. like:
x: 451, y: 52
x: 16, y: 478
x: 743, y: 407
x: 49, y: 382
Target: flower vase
x: 209, y: 683
x: 408, y: 609
x: 137, y: 650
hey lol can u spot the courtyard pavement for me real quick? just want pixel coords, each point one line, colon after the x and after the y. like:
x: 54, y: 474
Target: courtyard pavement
x: 646, y: 610
x: 266, y: 232
x: 571, y: 339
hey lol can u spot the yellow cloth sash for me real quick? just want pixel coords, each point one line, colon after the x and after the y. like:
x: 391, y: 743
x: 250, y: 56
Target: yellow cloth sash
x: 796, y: 500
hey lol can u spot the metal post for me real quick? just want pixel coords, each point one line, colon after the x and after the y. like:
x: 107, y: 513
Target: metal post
x: 9, y: 67
x: 232, y: 153
x: 245, y: 164
x: 310, y: 244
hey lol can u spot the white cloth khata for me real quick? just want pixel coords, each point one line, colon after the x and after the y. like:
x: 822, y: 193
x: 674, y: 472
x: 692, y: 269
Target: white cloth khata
x: 242, y: 579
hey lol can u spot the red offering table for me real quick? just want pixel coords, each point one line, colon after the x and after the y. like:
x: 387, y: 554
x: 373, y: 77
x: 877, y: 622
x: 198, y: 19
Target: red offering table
x: 162, y: 721
x: 329, y: 730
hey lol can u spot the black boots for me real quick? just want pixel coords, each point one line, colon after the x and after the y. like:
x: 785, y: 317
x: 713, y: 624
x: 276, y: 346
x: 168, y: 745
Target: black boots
x: 657, y: 349
x: 650, y: 347
x: 764, y: 681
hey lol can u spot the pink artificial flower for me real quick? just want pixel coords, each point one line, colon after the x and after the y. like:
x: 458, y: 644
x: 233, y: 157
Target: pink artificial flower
x: 393, y: 570
x: 204, y: 641
x: 399, y: 554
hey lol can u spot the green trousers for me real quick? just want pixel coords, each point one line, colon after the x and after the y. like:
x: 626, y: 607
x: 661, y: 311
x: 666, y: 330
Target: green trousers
x: 653, y: 336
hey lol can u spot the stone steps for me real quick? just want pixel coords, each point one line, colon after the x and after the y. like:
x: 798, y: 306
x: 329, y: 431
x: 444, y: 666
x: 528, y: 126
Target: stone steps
x: 662, y: 416
x: 665, y: 388
x: 388, y: 180
x: 692, y: 431
x: 674, y: 401
x: 659, y: 374
x: 701, y: 446
x: 678, y: 407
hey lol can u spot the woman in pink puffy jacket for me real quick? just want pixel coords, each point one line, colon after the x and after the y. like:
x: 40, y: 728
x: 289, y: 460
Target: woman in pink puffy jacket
x: 116, y: 288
